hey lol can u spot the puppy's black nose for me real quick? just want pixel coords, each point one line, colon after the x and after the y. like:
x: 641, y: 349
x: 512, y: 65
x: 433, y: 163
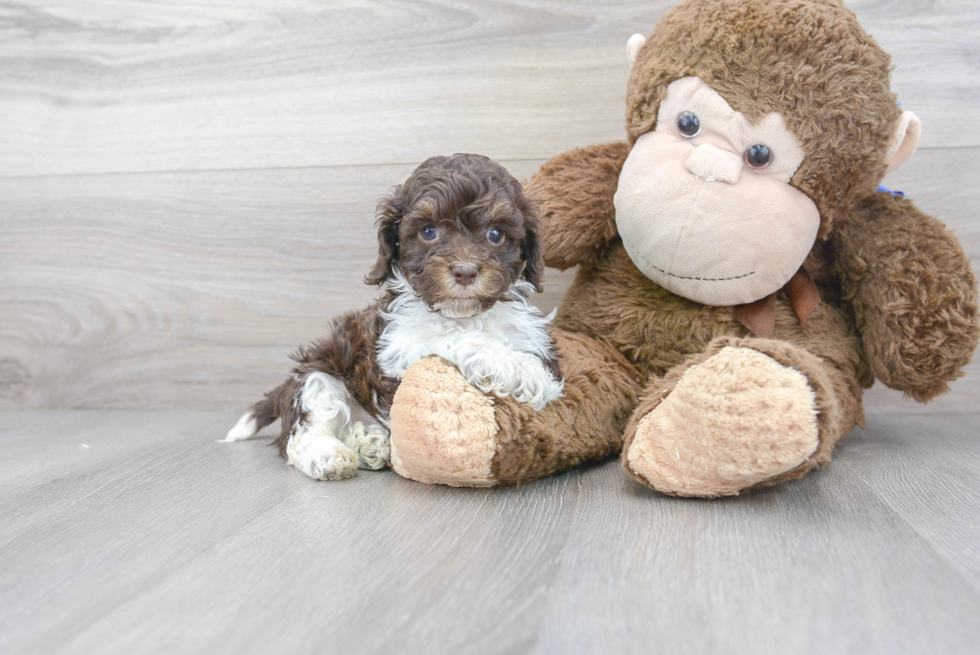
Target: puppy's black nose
x: 465, y: 274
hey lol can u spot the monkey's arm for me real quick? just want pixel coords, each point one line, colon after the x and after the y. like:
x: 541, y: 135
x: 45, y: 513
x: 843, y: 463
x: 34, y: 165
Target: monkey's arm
x: 913, y: 293
x: 575, y: 193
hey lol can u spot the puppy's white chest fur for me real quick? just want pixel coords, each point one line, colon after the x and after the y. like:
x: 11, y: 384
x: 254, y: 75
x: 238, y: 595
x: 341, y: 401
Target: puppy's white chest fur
x: 499, y: 351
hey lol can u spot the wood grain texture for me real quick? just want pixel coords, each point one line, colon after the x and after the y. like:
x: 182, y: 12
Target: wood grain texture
x: 187, y: 191
x: 157, y: 539
x: 908, y: 463
x: 137, y: 86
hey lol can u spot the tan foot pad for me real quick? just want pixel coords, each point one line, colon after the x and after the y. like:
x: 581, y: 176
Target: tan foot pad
x: 443, y: 430
x: 733, y: 421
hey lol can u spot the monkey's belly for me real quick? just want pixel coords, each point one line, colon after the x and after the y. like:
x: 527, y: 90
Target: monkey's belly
x: 656, y: 329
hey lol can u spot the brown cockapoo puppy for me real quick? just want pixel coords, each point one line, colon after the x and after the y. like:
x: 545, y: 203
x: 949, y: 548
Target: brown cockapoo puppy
x: 740, y: 276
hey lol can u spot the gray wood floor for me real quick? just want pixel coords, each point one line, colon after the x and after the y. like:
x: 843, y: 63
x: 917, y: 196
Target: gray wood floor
x: 133, y: 531
x: 187, y: 193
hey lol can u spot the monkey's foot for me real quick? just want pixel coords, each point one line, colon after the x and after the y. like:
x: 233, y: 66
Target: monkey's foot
x: 443, y: 430
x: 737, y: 420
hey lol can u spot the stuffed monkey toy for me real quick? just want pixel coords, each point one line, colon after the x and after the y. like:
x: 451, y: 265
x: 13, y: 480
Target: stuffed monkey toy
x: 741, y: 278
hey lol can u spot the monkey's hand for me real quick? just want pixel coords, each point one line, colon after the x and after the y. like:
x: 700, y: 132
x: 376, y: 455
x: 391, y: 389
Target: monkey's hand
x: 913, y: 292
x: 575, y: 193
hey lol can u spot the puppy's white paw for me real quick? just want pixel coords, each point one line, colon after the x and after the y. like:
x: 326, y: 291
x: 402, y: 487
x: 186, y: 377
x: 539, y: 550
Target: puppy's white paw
x: 504, y: 372
x: 488, y: 368
x: 372, y: 445
x: 320, y: 456
x: 534, y: 384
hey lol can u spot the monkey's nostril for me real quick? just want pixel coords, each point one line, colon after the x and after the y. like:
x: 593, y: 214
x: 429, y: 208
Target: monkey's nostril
x: 465, y: 274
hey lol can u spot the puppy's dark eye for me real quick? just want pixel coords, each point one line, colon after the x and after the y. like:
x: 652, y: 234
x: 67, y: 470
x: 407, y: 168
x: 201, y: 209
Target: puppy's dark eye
x: 495, y: 236
x: 688, y: 124
x: 429, y: 233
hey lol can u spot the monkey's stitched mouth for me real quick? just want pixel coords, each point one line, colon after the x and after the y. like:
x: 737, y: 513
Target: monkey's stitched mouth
x: 699, y: 279
x: 705, y: 279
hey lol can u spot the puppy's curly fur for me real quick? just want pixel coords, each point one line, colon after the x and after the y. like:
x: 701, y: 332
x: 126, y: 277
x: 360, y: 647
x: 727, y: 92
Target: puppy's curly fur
x: 458, y: 257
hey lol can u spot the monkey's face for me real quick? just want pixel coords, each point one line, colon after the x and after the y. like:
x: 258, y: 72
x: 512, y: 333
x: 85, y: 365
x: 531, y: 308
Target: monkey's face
x: 704, y: 204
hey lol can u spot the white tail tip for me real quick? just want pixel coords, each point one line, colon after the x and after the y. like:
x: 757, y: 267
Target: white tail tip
x: 244, y: 429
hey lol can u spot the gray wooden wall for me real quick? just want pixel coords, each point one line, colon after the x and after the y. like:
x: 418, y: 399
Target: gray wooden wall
x: 187, y: 192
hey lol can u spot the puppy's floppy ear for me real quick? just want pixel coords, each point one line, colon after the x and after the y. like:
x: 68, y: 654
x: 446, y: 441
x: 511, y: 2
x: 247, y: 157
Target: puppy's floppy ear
x: 531, y: 251
x: 390, y: 211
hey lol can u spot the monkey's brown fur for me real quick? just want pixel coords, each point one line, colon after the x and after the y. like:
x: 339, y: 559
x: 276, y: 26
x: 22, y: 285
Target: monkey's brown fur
x: 899, y: 300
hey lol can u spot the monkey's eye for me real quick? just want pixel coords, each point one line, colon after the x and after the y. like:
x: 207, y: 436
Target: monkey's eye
x: 757, y: 156
x: 429, y: 233
x: 495, y: 236
x: 688, y: 124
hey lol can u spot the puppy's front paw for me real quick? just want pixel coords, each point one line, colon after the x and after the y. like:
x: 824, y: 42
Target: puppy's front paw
x: 321, y: 457
x: 504, y: 372
x: 534, y: 384
x: 484, y: 371
x: 372, y: 445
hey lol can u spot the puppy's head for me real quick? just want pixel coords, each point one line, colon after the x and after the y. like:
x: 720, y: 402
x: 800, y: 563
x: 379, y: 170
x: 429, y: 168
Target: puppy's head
x: 461, y: 232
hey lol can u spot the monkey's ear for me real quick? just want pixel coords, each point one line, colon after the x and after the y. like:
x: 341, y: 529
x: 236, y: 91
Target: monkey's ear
x: 390, y: 211
x: 904, y: 141
x: 633, y: 47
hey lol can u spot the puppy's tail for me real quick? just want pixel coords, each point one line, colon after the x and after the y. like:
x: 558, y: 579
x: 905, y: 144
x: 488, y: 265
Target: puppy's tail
x: 260, y: 414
